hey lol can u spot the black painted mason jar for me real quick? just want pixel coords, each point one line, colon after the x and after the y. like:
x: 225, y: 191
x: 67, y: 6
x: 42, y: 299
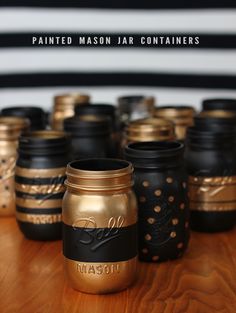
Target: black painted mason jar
x: 226, y: 104
x: 39, y: 183
x: 90, y: 136
x: 35, y: 114
x: 161, y: 189
x: 211, y: 166
x: 100, y: 225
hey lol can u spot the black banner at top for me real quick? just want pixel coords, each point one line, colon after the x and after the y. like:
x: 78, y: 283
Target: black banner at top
x: 123, y: 4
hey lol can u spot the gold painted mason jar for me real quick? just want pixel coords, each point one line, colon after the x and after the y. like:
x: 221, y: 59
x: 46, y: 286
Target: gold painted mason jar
x: 99, y: 214
x: 149, y: 129
x: 181, y: 116
x: 10, y: 129
x: 64, y: 106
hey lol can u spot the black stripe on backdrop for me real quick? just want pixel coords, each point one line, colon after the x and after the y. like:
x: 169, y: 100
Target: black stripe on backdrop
x: 118, y: 79
x: 123, y: 4
x: 206, y: 41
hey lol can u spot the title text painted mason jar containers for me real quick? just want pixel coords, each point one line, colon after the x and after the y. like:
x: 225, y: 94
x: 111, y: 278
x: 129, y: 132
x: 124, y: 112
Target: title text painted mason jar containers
x: 181, y: 116
x: 211, y: 165
x: 36, y: 115
x: 90, y: 136
x: 99, y: 225
x: 161, y: 189
x: 64, y: 107
x: 39, y: 183
x: 10, y: 129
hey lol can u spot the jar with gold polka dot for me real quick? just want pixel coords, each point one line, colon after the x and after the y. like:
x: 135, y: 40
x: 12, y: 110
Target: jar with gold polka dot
x: 10, y: 129
x: 161, y: 189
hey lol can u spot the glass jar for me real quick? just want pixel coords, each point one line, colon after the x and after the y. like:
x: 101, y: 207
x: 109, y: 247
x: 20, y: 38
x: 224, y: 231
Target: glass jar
x: 34, y: 114
x: 181, y: 116
x: 100, y: 225
x: 10, y: 129
x: 211, y: 165
x: 160, y: 184
x: 90, y: 136
x: 64, y: 106
x: 39, y: 183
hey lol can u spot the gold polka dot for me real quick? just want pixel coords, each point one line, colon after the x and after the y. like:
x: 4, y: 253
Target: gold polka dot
x: 151, y: 220
x: 186, y: 224
x: 148, y: 237
x: 171, y: 199
x: 184, y: 184
x: 169, y: 180
x: 158, y: 192
x: 145, y: 251
x: 175, y: 221
x: 145, y: 183
x: 142, y: 199
x: 155, y: 258
x: 157, y: 209
x: 173, y: 234
x: 182, y: 206
x: 180, y: 245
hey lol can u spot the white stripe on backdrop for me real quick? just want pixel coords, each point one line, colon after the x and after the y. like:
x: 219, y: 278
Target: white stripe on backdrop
x: 44, y: 96
x: 117, y: 60
x: 65, y: 20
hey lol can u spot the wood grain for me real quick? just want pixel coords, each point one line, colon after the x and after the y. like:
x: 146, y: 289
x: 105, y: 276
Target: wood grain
x: 203, y: 281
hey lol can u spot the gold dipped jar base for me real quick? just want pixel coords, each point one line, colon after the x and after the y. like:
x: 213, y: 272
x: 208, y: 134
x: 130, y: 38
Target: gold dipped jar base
x: 100, y: 278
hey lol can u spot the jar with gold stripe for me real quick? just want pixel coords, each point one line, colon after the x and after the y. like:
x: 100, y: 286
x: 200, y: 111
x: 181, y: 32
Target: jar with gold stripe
x: 211, y: 165
x: 160, y: 184
x: 39, y: 183
x: 10, y: 129
x: 100, y: 225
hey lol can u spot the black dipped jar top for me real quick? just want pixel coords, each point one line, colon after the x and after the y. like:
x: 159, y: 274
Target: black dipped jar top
x: 87, y: 125
x: 217, y: 120
x: 219, y: 104
x: 96, y: 109
x: 155, y: 154
x: 35, y: 114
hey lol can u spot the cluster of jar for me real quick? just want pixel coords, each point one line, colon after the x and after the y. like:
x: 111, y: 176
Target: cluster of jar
x: 116, y: 183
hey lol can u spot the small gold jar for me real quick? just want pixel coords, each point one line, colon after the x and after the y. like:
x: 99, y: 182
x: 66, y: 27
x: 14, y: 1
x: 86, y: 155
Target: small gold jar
x: 149, y: 129
x: 64, y: 106
x: 99, y: 214
x: 10, y: 129
x: 181, y: 116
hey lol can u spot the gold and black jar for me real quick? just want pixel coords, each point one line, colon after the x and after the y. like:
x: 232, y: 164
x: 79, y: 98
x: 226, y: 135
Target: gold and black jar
x: 181, y: 116
x: 100, y: 225
x: 39, y: 183
x: 211, y: 165
x: 10, y: 130
x: 226, y: 104
x: 161, y: 190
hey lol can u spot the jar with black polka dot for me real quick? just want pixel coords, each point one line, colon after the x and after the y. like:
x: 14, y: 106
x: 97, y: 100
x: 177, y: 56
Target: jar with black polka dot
x: 161, y: 189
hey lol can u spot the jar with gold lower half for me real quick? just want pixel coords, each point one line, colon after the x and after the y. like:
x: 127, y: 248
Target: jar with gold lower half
x: 39, y: 183
x: 211, y: 165
x: 99, y: 226
x: 10, y: 129
x: 181, y: 116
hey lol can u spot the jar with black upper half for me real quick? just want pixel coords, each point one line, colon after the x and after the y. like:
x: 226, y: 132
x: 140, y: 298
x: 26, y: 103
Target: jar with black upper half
x: 90, y: 136
x: 39, y: 183
x: 161, y: 189
x: 211, y: 165
x: 227, y: 104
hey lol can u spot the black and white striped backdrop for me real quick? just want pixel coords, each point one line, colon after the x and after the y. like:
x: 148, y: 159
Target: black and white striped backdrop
x: 32, y: 75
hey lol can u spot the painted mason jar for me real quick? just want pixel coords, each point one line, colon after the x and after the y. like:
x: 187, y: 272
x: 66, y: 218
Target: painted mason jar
x: 161, y: 188
x: 39, y: 183
x: 211, y: 165
x: 100, y: 225
x: 10, y: 130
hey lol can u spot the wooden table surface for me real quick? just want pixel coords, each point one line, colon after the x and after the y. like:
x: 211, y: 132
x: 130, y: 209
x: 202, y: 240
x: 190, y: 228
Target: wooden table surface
x: 204, y: 280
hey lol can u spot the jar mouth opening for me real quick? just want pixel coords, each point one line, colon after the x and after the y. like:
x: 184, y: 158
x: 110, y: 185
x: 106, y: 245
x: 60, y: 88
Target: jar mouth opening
x: 27, y: 110
x: 156, y: 146
x: 44, y: 134
x: 174, y: 111
x: 217, y: 114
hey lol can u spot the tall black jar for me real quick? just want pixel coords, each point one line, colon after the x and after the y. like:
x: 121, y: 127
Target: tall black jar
x: 35, y: 114
x: 161, y: 190
x: 211, y: 166
x: 39, y: 183
x: 90, y: 136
